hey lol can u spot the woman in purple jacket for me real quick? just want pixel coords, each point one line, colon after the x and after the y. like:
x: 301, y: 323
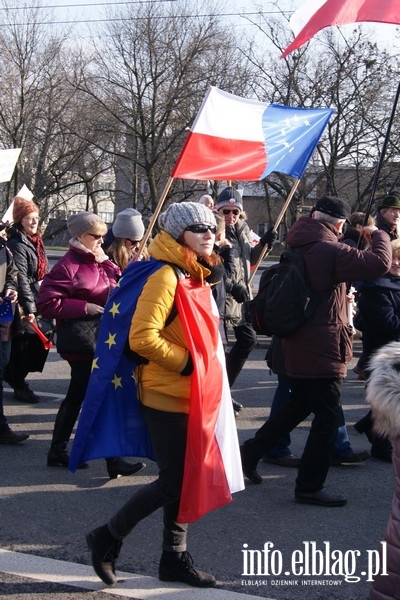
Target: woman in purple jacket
x: 77, y: 288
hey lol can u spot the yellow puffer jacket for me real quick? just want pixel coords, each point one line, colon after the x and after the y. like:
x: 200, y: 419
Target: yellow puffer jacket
x: 160, y: 383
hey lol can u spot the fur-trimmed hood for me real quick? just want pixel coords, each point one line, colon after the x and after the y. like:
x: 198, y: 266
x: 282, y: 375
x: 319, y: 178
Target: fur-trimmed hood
x: 383, y: 389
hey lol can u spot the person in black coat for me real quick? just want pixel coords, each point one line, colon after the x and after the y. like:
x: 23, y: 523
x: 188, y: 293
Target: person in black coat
x: 26, y: 245
x: 8, y: 292
x: 379, y: 313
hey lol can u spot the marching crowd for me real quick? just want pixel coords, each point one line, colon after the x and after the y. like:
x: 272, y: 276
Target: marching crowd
x: 350, y: 260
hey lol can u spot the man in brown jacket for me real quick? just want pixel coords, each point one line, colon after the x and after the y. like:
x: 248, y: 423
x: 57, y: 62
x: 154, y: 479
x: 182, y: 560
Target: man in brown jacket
x: 316, y: 354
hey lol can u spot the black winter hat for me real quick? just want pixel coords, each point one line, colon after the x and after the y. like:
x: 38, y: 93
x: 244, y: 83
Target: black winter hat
x: 333, y: 206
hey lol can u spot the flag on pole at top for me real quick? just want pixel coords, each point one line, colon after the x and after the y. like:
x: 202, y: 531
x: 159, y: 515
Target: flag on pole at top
x: 314, y: 15
x: 239, y: 139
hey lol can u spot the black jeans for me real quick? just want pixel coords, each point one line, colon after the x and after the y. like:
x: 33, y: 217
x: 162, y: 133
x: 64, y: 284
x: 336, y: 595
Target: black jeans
x: 71, y: 405
x: 246, y: 339
x: 168, y: 432
x: 320, y: 397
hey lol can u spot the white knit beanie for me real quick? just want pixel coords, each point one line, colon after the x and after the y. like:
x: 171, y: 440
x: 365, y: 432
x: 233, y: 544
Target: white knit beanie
x: 180, y: 215
x: 129, y: 225
x: 81, y: 222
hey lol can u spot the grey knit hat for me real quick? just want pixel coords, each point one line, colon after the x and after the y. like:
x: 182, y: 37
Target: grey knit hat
x: 180, y: 215
x: 129, y: 225
x: 229, y: 197
x: 81, y: 222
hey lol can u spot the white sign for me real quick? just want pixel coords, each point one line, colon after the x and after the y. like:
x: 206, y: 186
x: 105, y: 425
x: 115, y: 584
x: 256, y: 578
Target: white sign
x: 8, y: 160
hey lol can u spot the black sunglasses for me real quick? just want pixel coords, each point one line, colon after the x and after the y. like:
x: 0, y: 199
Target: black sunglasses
x: 234, y: 211
x: 95, y: 236
x: 202, y: 228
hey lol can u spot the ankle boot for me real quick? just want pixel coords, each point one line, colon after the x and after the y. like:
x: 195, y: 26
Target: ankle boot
x: 58, y: 455
x: 381, y: 448
x: 178, y: 566
x: 364, y: 425
x: 117, y: 467
x: 105, y: 550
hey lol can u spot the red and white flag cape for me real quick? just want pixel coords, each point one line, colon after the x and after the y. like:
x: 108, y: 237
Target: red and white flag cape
x: 315, y: 15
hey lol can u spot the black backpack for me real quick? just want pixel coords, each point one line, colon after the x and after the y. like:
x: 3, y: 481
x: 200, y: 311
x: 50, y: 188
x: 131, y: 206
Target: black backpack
x: 285, y: 300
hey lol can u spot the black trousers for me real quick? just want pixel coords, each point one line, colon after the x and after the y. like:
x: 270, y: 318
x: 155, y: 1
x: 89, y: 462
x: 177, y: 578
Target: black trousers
x: 71, y: 405
x: 168, y: 432
x: 320, y: 397
x: 246, y: 339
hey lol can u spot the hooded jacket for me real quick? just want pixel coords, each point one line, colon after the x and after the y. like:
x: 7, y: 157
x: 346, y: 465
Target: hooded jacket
x: 384, y: 398
x: 162, y: 382
x: 322, y: 347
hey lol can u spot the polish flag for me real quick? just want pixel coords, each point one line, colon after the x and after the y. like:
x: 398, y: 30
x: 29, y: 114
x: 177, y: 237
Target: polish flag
x: 213, y: 468
x: 246, y: 140
x: 315, y: 15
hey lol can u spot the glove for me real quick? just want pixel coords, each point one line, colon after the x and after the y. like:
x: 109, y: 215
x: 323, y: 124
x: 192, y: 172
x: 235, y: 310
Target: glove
x: 269, y: 238
x: 240, y: 292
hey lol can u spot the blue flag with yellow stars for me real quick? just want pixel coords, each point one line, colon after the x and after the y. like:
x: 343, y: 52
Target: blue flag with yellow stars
x: 110, y: 423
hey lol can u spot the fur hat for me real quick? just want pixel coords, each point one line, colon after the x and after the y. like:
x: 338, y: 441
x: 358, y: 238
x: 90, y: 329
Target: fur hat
x: 22, y: 207
x: 180, y: 215
x: 391, y: 201
x: 333, y: 206
x: 383, y: 389
x: 129, y: 225
x: 229, y: 197
x: 81, y: 222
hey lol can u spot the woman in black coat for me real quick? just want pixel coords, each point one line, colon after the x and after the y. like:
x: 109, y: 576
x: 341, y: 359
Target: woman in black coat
x: 26, y: 245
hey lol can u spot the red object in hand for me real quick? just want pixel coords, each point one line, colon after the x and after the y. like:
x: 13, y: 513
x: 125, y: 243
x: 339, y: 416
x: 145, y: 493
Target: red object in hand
x: 47, y: 344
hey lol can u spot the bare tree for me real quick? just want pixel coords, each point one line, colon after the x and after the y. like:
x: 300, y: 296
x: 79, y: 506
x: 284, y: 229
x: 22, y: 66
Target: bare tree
x: 354, y: 76
x: 40, y: 111
x: 150, y: 71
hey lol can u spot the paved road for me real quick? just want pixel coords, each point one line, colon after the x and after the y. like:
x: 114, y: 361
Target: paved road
x: 46, y: 511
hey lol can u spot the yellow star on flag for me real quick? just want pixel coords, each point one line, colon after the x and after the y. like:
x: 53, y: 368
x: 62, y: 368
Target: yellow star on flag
x: 114, y: 310
x: 94, y: 363
x: 111, y: 340
x: 116, y: 381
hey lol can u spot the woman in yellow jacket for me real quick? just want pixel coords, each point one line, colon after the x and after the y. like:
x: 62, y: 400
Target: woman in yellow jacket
x: 185, y: 243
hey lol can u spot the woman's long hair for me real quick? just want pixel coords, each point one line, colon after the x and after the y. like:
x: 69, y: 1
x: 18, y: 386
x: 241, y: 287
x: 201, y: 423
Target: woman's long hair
x: 119, y: 253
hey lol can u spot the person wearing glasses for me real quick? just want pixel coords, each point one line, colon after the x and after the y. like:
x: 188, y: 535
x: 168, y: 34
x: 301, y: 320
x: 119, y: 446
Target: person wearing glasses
x: 26, y: 245
x: 127, y: 233
x: 167, y: 384
x: 78, y: 287
x: 230, y: 206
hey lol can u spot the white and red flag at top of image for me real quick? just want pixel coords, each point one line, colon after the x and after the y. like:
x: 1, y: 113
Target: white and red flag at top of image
x: 314, y: 15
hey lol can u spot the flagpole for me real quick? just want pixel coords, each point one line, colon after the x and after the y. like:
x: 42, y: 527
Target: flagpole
x: 154, y: 218
x: 276, y: 225
x: 381, y: 157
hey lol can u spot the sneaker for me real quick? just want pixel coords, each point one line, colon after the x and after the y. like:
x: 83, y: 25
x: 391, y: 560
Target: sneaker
x: 105, y: 550
x: 178, y: 566
x: 354, y: 458
x: 12, y: 437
